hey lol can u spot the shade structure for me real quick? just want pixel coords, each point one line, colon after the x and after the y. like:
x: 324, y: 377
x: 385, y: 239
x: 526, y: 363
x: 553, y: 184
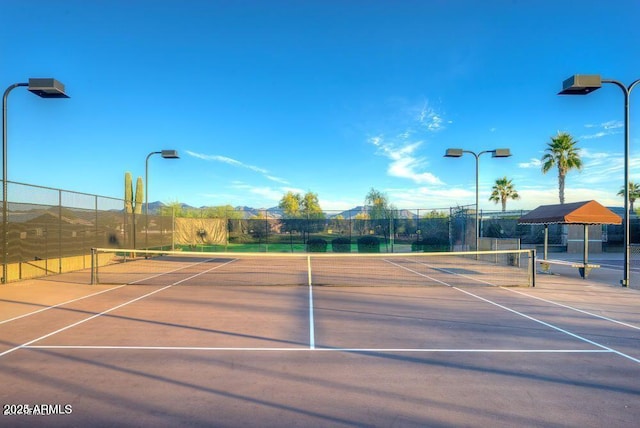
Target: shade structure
x: 584, y: 213
x: 588, y: 212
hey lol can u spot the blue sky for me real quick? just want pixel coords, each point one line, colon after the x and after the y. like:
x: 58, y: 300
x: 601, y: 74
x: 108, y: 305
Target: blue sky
x: 332, y: 97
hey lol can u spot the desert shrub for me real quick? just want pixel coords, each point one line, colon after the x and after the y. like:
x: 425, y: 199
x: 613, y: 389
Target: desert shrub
x: 368, y: 244
x: 341, y: 245
x: 317, y: 245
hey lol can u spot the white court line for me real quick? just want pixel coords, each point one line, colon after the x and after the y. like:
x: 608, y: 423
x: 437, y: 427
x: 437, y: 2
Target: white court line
x: 179, y: 269
x: 60, y: 304
x: 312, y: 334
x: 574, y: 309
x: 540, y: 298
x: 8, y: 351
x: 312, y: 329
x: 604, y: 349
x: 306, y: 349
x: 567, y: 332
x: 97, y: 293
x: 577, y: 336
x: 417, y: 273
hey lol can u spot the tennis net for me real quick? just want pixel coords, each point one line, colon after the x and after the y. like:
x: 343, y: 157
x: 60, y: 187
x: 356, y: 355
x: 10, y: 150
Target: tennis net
x: 482, y: 268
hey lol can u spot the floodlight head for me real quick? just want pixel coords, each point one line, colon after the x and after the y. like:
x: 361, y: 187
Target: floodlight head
x: 170, y: 154
x: 453, y: 153
x: 581, y: 84
x: 501, y: 153
x: 47, y: 88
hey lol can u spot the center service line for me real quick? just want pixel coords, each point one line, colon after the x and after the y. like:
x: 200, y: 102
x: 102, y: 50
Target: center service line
x: 312, y: 334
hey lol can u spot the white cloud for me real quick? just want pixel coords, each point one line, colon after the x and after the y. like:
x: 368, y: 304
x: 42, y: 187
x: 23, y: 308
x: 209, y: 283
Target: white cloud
x: 430, y: 198
x: 607, y: 128
x: 237, y: 163
x: 276, y: 179
x: 588, y: 154
x: 263, y: 191
x: 431, y: 120
x: 338, y: 205
x: 612, y: 124
x: 228, y: 161
x: 404, y: 162
x: 533, y: 163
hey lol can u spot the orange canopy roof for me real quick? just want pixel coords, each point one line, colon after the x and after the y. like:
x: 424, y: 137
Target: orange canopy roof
x: 589, y: 212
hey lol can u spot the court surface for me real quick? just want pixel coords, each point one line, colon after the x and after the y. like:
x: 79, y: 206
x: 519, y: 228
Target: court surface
x: 565, y: 353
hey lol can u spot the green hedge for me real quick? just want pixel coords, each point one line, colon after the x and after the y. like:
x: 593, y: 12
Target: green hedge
x: 317, y: 245
x: 368, y: 244
x: 429, y: 245
x: 341, y: 245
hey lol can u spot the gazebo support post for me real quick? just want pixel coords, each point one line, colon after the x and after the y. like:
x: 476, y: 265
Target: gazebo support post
x: 585, y: 269
x: 585, y: 252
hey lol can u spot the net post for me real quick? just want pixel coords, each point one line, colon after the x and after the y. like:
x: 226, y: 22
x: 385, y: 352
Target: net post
x: 532, y: 257
x: 93, y: 266
x: 309, y: 270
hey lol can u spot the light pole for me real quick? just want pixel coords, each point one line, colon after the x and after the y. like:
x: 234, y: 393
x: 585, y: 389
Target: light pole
x: 496, y: 153
x: 167, y: 154
x: 583, y: 84
x: 44, y: 88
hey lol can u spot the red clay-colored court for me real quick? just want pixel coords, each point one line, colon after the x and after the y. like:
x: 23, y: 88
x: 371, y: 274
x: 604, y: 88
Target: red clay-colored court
x: 565, y: 353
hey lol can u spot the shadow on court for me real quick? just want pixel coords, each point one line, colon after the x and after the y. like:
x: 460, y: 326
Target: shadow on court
x: 564, y: 353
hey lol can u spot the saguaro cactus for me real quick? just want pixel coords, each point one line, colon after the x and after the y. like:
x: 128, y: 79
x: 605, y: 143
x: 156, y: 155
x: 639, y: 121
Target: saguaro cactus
x: 131, y: 204
x: 128, y: 193
x: 139, y: 196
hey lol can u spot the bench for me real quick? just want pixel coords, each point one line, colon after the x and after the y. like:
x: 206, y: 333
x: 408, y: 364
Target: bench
x: 584, y: 269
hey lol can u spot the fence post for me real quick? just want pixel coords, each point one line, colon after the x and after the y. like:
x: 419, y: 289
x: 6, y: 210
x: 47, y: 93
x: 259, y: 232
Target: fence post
x: 92, y: 280
x: 59, y: 231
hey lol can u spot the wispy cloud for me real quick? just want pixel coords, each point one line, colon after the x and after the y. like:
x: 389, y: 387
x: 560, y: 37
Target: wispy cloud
x: 533, y: 163
x: 606, y: 128
x: 427, y: 197
x: 263, y: 191
x: 237, y: 163
x: 402, y: 141
x: 405, y: 163
x: 612, y: 124
x: 430, y: 119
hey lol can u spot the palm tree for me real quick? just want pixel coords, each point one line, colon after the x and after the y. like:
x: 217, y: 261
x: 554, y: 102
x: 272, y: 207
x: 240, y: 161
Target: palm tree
x: 563, y: 154
x: 502, y: 191
x: 634, y: 193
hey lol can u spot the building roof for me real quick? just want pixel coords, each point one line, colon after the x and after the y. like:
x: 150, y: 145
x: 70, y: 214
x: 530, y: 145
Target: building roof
x: 588, y: 212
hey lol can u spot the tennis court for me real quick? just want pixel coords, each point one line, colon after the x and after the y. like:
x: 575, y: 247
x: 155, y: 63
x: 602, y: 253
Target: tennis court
x: 182, y: 342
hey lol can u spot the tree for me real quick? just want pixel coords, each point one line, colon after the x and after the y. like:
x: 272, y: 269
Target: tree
x: 290, y: 204
x: 301, y: 213
x: 502, y: 191
x: 634, y: 193
x: 311, y: 206
x: 380, y: 211
x: 174, y: 208
x: 221, y: 211
x: 360, y: 222
x: 562, y: 153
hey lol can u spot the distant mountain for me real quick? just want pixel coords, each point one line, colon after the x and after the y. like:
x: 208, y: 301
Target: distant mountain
x: 276, y: 212
x: 155, y: 207
x: 351, y: 213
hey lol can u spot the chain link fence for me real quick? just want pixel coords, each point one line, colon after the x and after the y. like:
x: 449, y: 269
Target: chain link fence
x: 49, y: 231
